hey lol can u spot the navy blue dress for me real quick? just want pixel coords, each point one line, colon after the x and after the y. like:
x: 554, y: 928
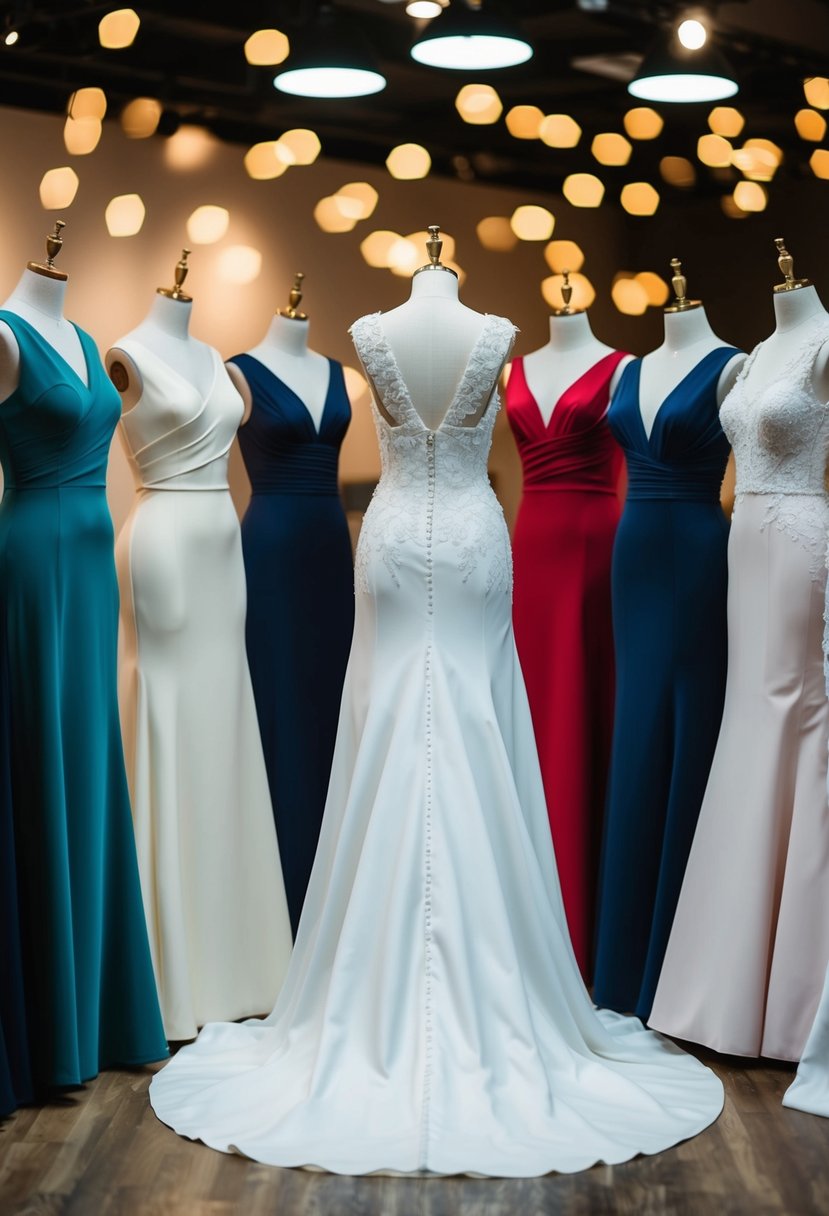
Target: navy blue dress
x: 669, y: 586
x: 300, y: 617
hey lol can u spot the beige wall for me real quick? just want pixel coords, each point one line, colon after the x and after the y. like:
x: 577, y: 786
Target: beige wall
x: 112, y: 281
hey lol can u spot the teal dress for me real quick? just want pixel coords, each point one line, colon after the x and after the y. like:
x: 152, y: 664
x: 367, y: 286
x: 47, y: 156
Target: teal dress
x: 90, y: 995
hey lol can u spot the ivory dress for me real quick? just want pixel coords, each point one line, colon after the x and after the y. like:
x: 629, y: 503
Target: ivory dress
x: 433, y: 1017
x: 207, y: 849
x: 750, y: 941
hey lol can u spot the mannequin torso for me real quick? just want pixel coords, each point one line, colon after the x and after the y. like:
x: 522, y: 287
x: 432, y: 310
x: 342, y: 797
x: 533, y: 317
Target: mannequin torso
x: 38, y: 299
x: 284, y: 351
x: 571, y: 352
x: 434, y: 320
x: 795, y: 311
x: 166, y: 332
x: 688, y: 339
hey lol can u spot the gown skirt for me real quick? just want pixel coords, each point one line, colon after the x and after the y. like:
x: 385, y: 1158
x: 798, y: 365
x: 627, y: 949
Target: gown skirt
x: 750, y: 941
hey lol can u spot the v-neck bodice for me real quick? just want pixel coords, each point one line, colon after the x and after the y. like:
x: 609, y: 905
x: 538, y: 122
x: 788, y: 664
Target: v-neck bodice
x: 575, y: 450
x: 685, y: 455
x: 176, y: 437
x: 283, y: 451
x: 55, y: 430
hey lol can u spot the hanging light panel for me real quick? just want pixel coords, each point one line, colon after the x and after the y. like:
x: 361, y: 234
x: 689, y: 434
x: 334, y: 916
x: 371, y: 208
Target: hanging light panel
x: 461, y: 39
x: 333, y: 61
x: 675, y: 72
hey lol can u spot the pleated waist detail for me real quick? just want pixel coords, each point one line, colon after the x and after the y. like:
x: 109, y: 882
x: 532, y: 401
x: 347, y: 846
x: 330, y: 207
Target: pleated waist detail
x: 304, y: 469
x: 33, y: 486
x: 652, y: 479
x: 576, y: 462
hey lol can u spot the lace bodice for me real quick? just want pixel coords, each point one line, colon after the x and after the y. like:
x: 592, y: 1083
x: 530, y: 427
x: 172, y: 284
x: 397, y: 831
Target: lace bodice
x: 441, y: 472
x: 780, y: 434
x: 779, y: 430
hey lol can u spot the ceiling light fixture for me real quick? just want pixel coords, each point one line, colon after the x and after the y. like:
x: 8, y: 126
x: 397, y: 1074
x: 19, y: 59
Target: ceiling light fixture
x: 464, y: 38
x: 332, y: 60
x: 424, y: 10
x: 673, y: 72
x: 11, y: 37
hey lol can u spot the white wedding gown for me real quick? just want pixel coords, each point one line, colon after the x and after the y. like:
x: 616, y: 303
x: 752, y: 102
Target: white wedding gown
x: 433, y: 1018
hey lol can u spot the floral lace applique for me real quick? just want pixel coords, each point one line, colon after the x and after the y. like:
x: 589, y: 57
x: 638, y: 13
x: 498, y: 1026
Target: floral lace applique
x: 465, y: 512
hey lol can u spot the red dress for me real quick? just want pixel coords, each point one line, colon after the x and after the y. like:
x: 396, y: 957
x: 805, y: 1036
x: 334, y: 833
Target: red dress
x: 561, y: 610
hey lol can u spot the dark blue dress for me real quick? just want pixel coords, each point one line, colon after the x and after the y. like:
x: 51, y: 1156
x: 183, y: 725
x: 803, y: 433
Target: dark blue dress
x: 669, y: 584
x: 300, y: 617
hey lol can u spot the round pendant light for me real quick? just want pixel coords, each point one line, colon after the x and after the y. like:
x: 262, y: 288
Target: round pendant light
x: 673, y: 72
x: 462, y: 39
x: 332, y: 59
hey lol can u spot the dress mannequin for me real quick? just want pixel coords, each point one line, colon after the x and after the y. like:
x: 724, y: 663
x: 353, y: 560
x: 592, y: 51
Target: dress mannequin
x: 793, y: 309
x: 572, y: 350
x: 284, y: 351
x: 38, y: 298
x: 165, y: 331
x: 432, y: 317
x: 688, y: 339
x: 207, y: 850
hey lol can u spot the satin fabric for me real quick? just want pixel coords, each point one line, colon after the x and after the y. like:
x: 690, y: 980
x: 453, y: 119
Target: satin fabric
x: 90, y: 994
x: 669, y: 622
x: 207, y: 849
x: 300, y: 615
x: 15, y: 1068
x: 749, y: 944
x: 562, y: 549
x: 433, y: 1018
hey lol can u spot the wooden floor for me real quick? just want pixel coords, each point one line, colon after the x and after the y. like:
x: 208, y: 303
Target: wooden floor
x: 101, y: 1152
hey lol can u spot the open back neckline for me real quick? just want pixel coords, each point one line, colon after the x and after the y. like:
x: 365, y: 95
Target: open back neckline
x: 87, y: 384
x: 403, y: 389
x: 283, y: 384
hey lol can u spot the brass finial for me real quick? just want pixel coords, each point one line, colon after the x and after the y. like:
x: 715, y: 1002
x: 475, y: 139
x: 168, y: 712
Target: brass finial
x: 433, y: 247
x: 294, y: 298
x: 54, y: 244
x: 175, y: 292
x: 786, y: 263
x: 566, y: 296
x: 680, y: 286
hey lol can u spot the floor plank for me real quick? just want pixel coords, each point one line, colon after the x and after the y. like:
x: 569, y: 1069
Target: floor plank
x: 102, y: 1152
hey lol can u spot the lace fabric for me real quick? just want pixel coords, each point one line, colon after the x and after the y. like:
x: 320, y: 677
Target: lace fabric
x: 780, y: 435
x: 447, y: 466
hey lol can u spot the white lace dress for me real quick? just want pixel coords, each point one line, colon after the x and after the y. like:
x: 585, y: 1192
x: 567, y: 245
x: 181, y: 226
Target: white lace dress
x: 750, y: 941
x: 433, y: 1018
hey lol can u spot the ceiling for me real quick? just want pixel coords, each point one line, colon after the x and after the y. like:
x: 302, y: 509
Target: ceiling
x: 190, y: 56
